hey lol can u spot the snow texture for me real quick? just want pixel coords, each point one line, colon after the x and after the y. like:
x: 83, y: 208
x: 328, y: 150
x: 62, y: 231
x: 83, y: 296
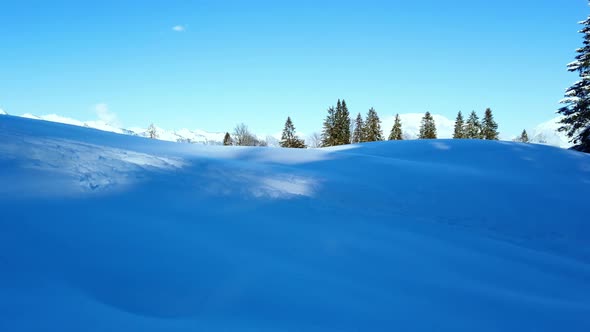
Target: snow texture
x: 108, y: 232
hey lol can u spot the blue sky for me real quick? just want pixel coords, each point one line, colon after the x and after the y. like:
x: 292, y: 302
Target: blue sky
x: 260, y: 61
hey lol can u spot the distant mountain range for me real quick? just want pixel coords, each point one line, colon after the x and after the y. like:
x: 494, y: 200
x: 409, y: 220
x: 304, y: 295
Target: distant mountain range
x: 182, y: 135
x: 544, y: 133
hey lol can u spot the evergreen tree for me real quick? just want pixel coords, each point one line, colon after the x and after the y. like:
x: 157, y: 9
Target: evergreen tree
x: 359, y: 127
x: 459, y: 126
x: 342, y: 124
x: 337, y: 126
x: 289, y: 139
x: 576, y: 112
x: 524, y: 137
x: 152, y: 132
x: 427, y: 127
x: 372, y: 130
x: 396, y: 130
x: 227, y: 139
x: 473, y: 126
x: 329, y: 130
x: 489, y: 127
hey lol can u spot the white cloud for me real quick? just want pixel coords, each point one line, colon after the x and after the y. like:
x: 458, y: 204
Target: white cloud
x: 108, y: 117
x: 178, y: 28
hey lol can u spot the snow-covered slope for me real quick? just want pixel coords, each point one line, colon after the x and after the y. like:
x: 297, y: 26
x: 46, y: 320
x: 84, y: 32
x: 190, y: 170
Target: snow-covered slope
x: 106, y: 232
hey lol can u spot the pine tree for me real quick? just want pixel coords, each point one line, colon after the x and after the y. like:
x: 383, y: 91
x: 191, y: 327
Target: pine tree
x: 152, y: 132
x: 576, y: 112
x: 396, y: 130
x: 329, y: 130
x: 473, y: 126
x: 289, y: 139
x: 337, y: 126
x: 342, y: 124
x: 372, y: 130
x: 359, y: 127
x: 227, y: 139
x: 459, y: 126
x: 524, y: 137
x: 489, y: 127
x: 427, y: 127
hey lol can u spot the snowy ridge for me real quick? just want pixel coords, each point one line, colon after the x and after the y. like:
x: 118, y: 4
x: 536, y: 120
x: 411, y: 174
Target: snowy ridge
x: 182, y: 135
x: 108, y: 232
x: 97, y: 124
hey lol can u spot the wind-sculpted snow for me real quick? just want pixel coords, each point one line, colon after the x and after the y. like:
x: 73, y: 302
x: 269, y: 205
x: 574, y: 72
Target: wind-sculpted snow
x: 106, y: 232
x: 66, y: 167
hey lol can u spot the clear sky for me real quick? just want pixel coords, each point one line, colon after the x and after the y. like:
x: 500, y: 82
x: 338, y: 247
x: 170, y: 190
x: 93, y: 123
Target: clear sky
x: 260, y: 61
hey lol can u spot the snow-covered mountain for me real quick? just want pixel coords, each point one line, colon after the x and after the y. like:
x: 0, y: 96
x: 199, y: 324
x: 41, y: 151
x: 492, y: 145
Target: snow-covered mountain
x: 182, y: 135
x: 197, y: 136
x: 96, y: 124
x: 547, y: 133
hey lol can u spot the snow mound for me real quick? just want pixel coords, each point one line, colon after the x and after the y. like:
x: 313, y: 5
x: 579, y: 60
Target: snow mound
x: 108, y: 232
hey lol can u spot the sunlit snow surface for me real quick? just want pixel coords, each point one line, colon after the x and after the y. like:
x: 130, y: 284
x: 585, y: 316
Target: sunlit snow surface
x: 105, y: 232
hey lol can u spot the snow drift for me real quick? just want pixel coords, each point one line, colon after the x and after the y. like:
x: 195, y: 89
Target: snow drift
x: 106, y: 232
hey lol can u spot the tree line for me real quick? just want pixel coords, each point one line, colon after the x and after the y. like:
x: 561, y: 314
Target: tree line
x: 338, y: 129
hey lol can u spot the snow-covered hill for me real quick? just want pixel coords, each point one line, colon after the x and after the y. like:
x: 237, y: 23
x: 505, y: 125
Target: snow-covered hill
x: 108, y: 232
